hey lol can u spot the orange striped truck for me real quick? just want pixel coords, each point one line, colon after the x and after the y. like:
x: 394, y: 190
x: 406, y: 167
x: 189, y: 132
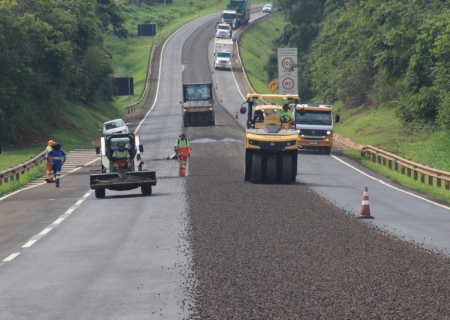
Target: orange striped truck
x: 314, y: 123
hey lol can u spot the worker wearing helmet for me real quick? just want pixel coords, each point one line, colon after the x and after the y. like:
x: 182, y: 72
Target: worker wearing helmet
x: 56, y: 157
x: 121, y: 157
x: 183, y: 150
x: 49, y: 173
x: 286, y: 116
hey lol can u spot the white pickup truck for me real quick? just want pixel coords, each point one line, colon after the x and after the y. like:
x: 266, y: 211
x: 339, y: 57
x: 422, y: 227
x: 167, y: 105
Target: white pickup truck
x: 223, y: 52
x: 223, y: 30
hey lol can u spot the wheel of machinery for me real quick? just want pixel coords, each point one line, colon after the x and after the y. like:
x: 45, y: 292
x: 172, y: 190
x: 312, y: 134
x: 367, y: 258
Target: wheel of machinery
x: 100, y: 193
x: 256, y: 168
x: 146, y: 190
x: 208, y: 119
x: 287, y: 169
x: 193, y: 120
x: 271, y: 169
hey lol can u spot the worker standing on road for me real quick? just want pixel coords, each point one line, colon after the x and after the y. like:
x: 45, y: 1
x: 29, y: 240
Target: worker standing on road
x: 58, y: 157
x: 286, y: 115
x: 184, y: 151
x: 49, y: 173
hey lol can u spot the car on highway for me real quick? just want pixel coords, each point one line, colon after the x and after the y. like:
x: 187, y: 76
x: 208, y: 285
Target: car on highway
x: 223, y: 31
x: 267, y: 8
x: 114, y: 126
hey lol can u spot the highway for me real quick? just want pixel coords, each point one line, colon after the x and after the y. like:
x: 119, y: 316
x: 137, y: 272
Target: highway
x: 212, y: 246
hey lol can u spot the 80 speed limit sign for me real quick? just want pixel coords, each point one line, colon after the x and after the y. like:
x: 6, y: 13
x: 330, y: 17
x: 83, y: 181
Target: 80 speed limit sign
x: 288, y: 85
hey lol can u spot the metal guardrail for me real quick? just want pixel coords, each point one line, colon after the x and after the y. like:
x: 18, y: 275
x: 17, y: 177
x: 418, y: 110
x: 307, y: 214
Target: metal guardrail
x: 132, y: 107
x: 14, y: 173
x: 411, y: 169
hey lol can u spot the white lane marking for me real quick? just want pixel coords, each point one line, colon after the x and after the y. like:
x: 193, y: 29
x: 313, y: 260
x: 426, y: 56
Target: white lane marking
x: 51, y: 227
x: 390, y: 186
x: 28, y: 244
x: 11, y: 256
x: 45, y: 231
x: 58, y: 221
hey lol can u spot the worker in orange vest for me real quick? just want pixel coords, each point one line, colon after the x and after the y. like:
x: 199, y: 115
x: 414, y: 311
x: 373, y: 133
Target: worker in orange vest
x: 183, y: 151
x: 49, y: 176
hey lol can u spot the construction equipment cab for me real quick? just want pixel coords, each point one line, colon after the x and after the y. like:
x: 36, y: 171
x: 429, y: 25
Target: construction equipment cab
x: 198, y: 105
x: 315, y: 125
x: 271, y: 143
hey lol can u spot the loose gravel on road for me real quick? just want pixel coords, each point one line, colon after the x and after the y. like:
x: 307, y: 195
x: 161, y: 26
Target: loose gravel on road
x: 282, y: 252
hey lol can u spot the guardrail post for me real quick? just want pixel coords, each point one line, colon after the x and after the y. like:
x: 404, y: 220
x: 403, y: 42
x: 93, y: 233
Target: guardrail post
x: 408, y: 171
x: 430, y: 180
x: 415, y: 175
x: 390, y: 164
x: 422, y: 177
x: 447, y: 185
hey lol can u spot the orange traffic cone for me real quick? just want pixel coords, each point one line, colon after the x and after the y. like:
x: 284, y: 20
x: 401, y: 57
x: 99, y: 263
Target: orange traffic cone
x: 236, y: 116
x: 365, y: 207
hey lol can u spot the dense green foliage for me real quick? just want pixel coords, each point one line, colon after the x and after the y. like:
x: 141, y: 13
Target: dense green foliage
x: 373, y: 52
x: 51, y: 51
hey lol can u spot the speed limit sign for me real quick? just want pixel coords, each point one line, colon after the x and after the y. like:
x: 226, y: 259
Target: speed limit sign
x: 287, y: 63
x: 288, y: 83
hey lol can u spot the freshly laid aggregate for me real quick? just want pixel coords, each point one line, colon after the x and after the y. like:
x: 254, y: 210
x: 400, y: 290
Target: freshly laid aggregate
x: 282, y: 252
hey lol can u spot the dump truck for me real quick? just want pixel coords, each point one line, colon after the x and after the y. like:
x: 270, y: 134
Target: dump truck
x: 271, y: 147
x: 121, y: 179
x: 315, y: 124
x: 198, y: 105
x: 237, y: 13
x: 223, y: 52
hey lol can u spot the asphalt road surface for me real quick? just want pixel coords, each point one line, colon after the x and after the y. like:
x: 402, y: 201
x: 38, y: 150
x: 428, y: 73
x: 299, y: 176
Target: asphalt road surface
x: 211, y: 246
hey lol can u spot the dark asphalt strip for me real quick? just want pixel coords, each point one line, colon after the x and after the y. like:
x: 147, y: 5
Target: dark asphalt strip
x: 282, y: 252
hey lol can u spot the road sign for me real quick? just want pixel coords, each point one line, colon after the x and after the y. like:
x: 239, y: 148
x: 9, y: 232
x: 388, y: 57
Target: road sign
x: 287, y: 73
x: 273, y: 85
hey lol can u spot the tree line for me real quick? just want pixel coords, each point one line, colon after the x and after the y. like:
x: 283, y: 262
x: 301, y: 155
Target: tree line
x: 52, y: 51
x: 374, y: 52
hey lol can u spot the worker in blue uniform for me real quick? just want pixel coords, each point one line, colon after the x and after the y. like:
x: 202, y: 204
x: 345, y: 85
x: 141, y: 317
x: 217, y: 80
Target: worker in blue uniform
x: 56, y: 157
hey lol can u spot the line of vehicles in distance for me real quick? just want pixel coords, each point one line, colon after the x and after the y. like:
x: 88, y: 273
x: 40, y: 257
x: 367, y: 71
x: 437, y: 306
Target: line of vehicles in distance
x: 271, y: 146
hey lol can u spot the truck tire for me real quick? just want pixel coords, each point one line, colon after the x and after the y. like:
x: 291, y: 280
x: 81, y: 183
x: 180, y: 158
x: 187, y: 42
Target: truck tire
x: 327, y: 150
x: 100, y: 193
x: 185, y: 120
x: 271, y: 169
x: 286, y: 169
x: 256, y: 168
x: 146, y: 190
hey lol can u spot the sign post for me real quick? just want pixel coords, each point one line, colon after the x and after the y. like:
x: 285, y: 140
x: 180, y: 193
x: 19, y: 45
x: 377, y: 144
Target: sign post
x: 287, y: 75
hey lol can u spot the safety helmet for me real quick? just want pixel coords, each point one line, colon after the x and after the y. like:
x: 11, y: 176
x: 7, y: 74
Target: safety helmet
x: 56, y: 146
x: 286, y: 106
x: 50, y: 142
x: 121, y: 143
x: 182, y: 136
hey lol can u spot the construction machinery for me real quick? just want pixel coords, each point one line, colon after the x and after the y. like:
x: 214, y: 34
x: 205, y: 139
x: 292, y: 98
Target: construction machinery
x: 271, y: 143
x: 198, y: 105
x: 237, y: 13
x: 315, y: 125
x: 121, y: 179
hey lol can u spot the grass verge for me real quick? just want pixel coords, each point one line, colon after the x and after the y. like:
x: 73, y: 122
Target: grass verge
x: 24, y: 179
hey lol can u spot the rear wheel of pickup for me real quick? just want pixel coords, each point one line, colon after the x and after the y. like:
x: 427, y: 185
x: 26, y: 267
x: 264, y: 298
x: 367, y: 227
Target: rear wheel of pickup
x: 146, y: 190
x: 327, y: 150
x: 100, y: 192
